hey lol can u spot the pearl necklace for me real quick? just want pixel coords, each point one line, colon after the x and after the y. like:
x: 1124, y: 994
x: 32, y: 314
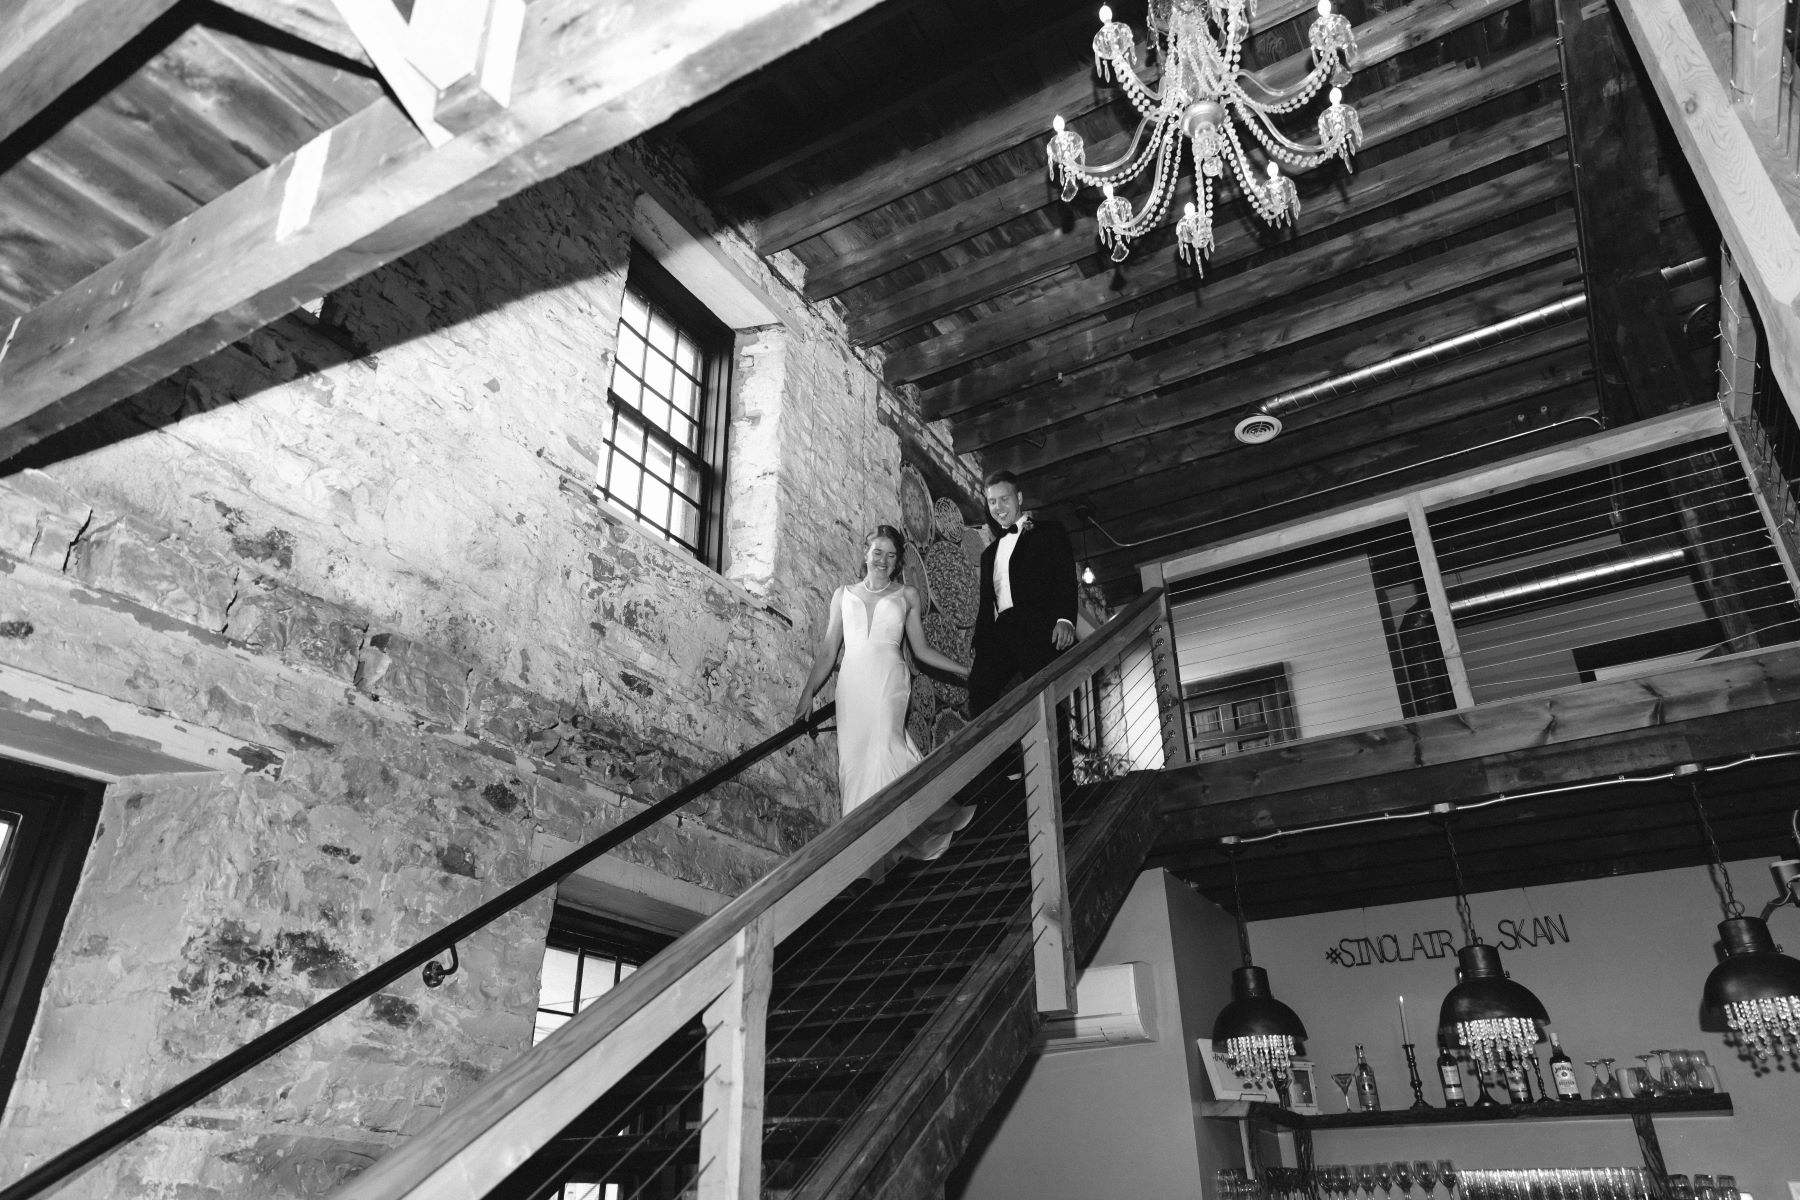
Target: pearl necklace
x: 868, y: 587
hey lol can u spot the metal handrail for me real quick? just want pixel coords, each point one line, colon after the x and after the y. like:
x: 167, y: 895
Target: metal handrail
x: 260, y: 1049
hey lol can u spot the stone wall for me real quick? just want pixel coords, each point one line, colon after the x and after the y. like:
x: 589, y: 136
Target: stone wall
x: 370, y: 544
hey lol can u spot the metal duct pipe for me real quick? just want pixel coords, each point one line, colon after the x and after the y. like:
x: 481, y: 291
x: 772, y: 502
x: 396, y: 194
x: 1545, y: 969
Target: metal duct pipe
x: 1539, y: 585
x: 1264, y: 422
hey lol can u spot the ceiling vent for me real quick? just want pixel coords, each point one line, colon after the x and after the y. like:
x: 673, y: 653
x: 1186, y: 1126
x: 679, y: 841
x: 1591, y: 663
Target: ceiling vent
x: 1257, y: 428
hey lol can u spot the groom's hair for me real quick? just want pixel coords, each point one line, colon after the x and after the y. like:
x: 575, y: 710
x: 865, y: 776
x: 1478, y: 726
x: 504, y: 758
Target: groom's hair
x: 1001, y: 476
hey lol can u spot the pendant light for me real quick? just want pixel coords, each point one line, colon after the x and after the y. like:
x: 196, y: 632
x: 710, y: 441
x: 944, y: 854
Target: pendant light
x: 1489, y: 1016
x: 1753, y: 995
x: 1256, y: 1034
x: 1085, y: 514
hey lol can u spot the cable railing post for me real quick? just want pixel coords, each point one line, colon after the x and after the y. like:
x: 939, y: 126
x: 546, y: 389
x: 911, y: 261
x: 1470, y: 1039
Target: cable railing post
x: 1764, y: 476
x: 1168, y: 686
x: 1440, y: 602
x: 1053, y: 949
x: 731, y: 1124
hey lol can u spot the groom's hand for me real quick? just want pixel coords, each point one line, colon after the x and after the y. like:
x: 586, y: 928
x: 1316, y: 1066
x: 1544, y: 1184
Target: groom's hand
x: 1063, y: 636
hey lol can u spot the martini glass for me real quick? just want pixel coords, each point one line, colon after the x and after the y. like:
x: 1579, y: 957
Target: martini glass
x: 1344, y: 1079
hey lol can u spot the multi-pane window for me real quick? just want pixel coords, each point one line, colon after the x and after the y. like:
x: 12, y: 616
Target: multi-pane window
x: 665, y: 443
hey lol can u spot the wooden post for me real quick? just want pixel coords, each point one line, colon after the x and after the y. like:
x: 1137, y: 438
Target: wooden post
x: 1737, y: 341
x: 1053, y: 949
x: 1168, y: 687
x: 1756, y: 59
x: 732, y: 1113
x: 1440, y: 603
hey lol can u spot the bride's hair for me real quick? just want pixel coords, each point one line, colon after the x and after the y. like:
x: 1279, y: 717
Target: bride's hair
x: 899, y: 539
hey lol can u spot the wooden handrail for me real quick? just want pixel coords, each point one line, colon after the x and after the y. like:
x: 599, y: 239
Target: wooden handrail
x: 472, y: 1149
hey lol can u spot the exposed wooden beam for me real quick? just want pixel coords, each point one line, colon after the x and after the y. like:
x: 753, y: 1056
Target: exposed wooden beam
x: 1641, y: 363
x: 1082, y: 297
x: 590, y: 77
x: 1704, y: 712
x: 315, y: 22
x: 48, y: 46
x: 1487, y: 435
x: 1231, y: 298
x: 1747, y: 181
x: 1116, y: 485
x: 1410, y: 105
x: 1083, y: 393
x: 1076, y: 94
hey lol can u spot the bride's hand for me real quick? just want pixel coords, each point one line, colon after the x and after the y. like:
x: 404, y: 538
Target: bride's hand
x: 803, y: 709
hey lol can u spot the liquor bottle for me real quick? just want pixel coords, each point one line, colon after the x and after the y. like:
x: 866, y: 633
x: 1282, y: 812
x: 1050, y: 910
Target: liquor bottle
x: 1562, y: 1070
x: 1518, y: 1087
x: 1367, y: 1098
x: 1451, y: 1077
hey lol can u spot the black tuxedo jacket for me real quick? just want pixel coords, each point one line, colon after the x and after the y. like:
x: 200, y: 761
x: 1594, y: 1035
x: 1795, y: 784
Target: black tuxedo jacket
x: 1042, y: 571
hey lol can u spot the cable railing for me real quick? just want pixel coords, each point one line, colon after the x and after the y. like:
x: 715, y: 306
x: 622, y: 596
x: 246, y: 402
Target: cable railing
x: 798, y: 1039
x: 421, y: 956
x: 1631, y: 550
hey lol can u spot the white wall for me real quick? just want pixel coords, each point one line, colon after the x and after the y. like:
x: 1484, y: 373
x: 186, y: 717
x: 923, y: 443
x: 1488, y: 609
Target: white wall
x: 1626, y: 981
x: 1322, y: 621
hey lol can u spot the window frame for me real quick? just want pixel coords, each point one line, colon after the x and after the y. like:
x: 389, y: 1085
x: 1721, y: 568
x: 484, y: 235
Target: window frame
x: 717, y: 343
x: 59, y: 816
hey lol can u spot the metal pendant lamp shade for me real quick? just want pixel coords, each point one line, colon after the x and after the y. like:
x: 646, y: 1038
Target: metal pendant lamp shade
x: 1753, y: 995
x: 1256, y: 1034
x: 1484, y: 992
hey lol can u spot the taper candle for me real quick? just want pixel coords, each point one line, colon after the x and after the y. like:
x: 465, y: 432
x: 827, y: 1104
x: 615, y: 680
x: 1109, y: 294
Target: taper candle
x: 1405, y: 1038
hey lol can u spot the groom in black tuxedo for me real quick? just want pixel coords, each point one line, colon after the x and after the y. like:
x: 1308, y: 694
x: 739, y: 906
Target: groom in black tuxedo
x: 1027, y: 612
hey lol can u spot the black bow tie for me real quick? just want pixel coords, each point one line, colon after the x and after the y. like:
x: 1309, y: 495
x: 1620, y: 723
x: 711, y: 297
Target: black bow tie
x: 1009, y: 529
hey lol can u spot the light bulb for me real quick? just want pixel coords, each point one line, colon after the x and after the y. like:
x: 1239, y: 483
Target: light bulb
x: 1324, y: 8
x: 1337, y: 97
x: 1106, y: 14
x: 1274, y: 170
x: 1087, y: 573
x: 1056, y: 123
x: 1106, y: 189
x: 1190, y: 211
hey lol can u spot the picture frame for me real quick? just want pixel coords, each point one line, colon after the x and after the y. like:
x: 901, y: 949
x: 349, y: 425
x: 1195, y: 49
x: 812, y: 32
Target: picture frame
x: 1226, y: 1083
x: 1303, y: 1087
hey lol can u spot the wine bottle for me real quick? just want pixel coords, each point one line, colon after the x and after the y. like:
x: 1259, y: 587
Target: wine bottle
x: 1451, y: 1077
x: 1562, y: 1071
x: 1367, y: 1097
x: 1518, y: 1087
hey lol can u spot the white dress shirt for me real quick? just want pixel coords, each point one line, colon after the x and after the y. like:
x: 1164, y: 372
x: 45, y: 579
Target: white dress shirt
x: 1003, y: 553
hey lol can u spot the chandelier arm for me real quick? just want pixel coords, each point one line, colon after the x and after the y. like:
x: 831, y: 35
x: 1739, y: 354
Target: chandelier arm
x: 1156, y: 205
x: 1298, y: 155
x: 1123, y: 167
x: 1248, y: 84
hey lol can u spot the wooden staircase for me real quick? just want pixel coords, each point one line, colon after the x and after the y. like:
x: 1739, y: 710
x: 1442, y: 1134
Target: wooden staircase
x: 824, y: 1038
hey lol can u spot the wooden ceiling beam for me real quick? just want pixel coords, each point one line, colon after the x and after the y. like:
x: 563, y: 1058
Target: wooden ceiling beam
x: 1738, y: 162
x: 1221, y: 462
x: 1076, y: 94
x: 1410, y: 105
x: 315, y: 22
x: 48, y: 46
x: 1062, y: 356
x: 1642, y: 367
x: 1082, y: 297
x: 1085, y: 393
x: 1487, y: 435
x: 590, y: 77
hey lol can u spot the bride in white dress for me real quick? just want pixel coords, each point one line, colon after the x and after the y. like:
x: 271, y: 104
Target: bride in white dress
x: 872, y: 622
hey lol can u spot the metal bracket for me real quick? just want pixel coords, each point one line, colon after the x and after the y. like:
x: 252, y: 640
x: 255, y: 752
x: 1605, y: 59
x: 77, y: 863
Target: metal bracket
x: 435, y: 972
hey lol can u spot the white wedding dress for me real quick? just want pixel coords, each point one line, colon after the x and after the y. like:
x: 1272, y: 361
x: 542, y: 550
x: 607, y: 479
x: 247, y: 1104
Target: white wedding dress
x: 874, y: 685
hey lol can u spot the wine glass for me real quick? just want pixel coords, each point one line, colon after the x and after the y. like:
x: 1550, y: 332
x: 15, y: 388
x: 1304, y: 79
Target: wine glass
x: 1726, y: 1186
x: 1403, y: 1175
x: 1344, y: 1079
x: 1612, y: 1090
x: 1598, y: 1091
x: 1651, y: 1085
x: 1365, y: 1178
x: 1425, y: 1171
x: 1446, y: 1171
x: 1384, y: 1177
x: 1668, y: 1080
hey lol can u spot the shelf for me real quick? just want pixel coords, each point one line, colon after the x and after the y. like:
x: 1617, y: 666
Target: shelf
x: 1561, y: 1110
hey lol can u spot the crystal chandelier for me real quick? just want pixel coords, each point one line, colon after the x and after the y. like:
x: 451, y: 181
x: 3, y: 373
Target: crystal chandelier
x: 1753, y: 995
x: 1256, y: 1034
x: 1200, y: 45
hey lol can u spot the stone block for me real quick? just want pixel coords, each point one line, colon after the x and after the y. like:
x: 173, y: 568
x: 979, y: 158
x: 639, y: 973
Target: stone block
x: 511, y: 716
x: 40, y: 518
x: 276, y: 619
x: 420, y: 678
x: 135, y: 559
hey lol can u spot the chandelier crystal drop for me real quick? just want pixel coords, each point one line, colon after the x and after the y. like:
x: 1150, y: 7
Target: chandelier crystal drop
x: 1203, y: 96
x: 1260, y: 1059
x: 1767, y: 1028
x: 1491, y: 1041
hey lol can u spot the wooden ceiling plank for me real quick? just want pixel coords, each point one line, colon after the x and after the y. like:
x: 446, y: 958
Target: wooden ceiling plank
x: 1230, y: 298
x: 1410, y: 105
x: 1074, y: 95
x: 1467, y: 151
x: 1379, y: 469
x: 1080, y: 395
x: 48, y: 46
x: 315, y: 22
x: 1642, y: 366
x: 246, y: 124
x: 1747, y: 180
x: 1122, y: 489
x: 591, y: 77
x: 1200, y: 808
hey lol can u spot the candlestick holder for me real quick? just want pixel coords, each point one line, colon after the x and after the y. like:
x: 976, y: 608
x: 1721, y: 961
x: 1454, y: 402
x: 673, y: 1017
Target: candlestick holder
x: 1412, y: 1069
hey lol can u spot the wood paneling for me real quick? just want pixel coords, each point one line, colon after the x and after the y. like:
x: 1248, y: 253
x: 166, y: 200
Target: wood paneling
x: 48, y: 46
